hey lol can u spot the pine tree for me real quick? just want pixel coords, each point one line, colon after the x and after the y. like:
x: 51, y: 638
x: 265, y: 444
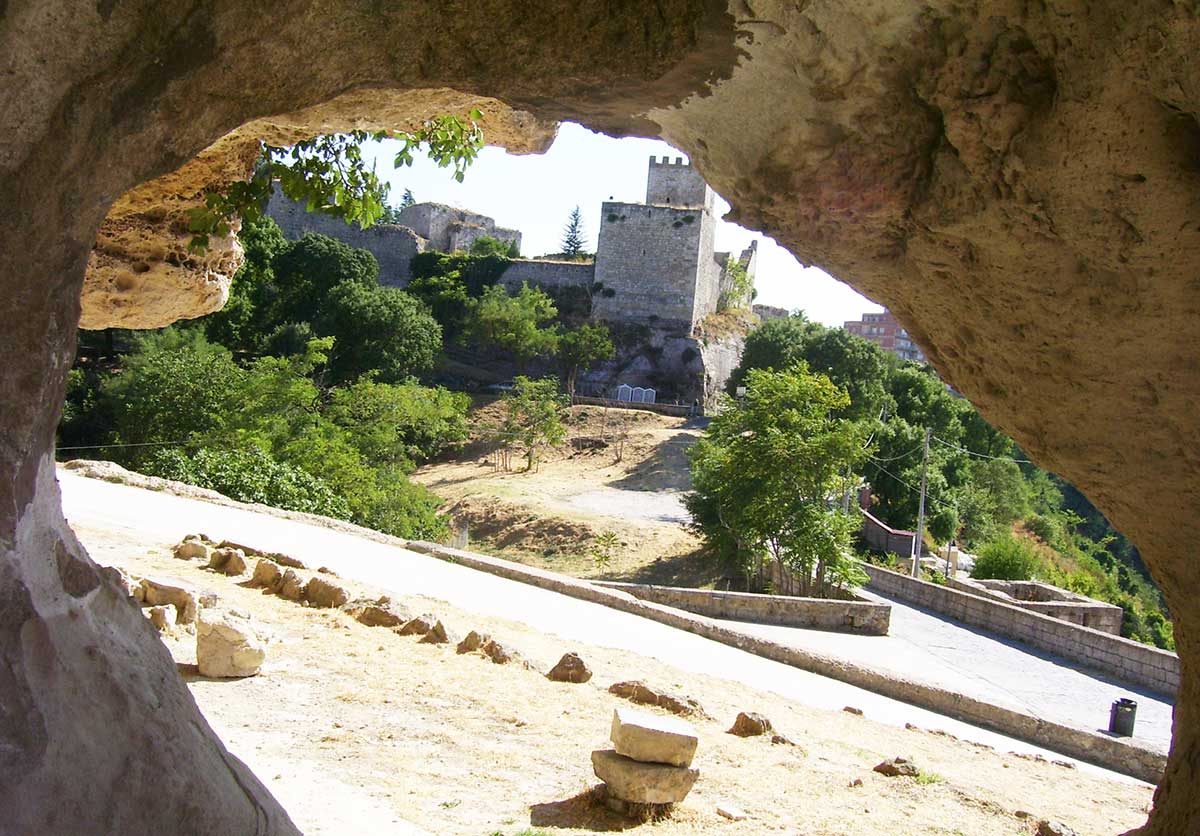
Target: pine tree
x: 408, y: 199
x: 572, y: 242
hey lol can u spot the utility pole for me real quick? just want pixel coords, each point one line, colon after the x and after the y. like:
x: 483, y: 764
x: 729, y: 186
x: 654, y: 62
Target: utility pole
x: 916, y: 567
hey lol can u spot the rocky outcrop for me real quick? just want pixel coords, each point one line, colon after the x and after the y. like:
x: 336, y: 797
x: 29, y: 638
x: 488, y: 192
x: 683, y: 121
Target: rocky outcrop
x: 1014, y: 181
x: 570, y: 668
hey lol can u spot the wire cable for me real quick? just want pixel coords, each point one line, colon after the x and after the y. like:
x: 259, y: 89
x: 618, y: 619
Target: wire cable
x: 980, y: 455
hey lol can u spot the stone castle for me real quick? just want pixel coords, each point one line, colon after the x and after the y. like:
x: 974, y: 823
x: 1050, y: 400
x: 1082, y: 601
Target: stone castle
x: 656, y: 277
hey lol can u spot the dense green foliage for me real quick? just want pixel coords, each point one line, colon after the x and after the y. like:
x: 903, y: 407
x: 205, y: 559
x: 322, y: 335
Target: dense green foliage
x: 519, y: 325
x: 764, y: 474
x: 1006, y: 558
x: 486, y: 245
x: 445, y: 282
x: 980, y: 488
x: 379, y: 328
x: 739, y: 287
x: 265, y: 431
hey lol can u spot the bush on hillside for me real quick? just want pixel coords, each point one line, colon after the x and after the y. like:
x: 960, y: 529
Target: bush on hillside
x: 1005, y: 558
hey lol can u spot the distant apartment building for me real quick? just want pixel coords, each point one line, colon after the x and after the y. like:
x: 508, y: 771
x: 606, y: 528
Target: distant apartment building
x: 883, y: 330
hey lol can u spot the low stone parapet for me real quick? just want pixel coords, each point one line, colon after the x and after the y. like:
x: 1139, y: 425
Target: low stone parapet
x: 855, y: 616
x: 1130, y: 661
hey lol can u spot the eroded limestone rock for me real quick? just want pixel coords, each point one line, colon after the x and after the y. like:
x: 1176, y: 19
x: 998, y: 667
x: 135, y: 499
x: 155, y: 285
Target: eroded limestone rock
x: 382, y: 612
x: 652, y: 739
x: 642, y: 783
x: 156, y: 591
x: 322, y: 593
x: 750, y: 724
x: 570, y: 668
x: 228, y: 646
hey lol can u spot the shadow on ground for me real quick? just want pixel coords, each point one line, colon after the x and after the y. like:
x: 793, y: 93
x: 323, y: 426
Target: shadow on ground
x: 579, y: 811
x: 666, y: 469
x: 691, y: 570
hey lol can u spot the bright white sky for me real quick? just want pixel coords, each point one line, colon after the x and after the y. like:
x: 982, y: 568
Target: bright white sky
x: 536, y: 193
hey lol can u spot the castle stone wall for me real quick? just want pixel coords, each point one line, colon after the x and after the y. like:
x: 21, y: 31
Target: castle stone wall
x: 548, y: 274
x: 393, y: 246
x: 448, y: 229
x: 677, y: 184
x: 648, y: 256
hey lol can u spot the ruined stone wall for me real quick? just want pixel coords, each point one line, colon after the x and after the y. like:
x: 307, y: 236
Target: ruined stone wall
x: 648, y: 257
x: 548, y: 274
x: 448, y: 229
x: 393, y: 246
x: 719, y: 358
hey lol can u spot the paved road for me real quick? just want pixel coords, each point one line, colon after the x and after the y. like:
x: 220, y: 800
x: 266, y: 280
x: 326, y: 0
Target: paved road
x: 932, y: 648
x: 164, y: 518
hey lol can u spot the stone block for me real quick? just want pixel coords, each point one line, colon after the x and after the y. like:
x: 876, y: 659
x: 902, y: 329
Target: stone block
x: 322, y: 593
x: 653, y: 739
x: 642, y: 783
x: 227, y: 646
x: 157, y: 591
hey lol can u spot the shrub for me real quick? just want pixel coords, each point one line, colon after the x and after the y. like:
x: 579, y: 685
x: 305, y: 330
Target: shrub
x: 1006, y: 558
x: 249, y: 475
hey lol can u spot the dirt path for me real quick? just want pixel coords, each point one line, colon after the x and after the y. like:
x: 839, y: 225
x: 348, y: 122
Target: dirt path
x: 361, y: 730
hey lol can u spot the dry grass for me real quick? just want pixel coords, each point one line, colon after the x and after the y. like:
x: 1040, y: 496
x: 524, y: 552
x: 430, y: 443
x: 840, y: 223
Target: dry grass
x: 457, y: 745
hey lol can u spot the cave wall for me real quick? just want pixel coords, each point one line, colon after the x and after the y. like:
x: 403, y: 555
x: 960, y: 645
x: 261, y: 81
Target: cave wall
x: 1018, y: 181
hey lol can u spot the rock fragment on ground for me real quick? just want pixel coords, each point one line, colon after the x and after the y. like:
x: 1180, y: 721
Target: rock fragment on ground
x: 325, y: 594
x: 639, y: 692
x: 227, y: 645
x: 267, y: 574
x: 653, y: 739
x: 499, y: 653
x: 228, y: 561
x: 642, y: 783
x: 163, y: 617
x: 750, y: 724
x: 570, y: 668
x: 291, y: 586
x: 157, y: 591
x: 438, y: 634
x: 382, y: 612
x: 418, y: 626
x: 191, y: 549
x: 1052, y: 827
x: 473, y: 641
x: 896, y: 767
x: 731, y: 812
x: 857, y: 712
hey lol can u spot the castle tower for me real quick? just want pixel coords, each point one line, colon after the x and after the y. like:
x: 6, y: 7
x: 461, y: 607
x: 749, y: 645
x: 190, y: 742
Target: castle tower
x: 655, y: 260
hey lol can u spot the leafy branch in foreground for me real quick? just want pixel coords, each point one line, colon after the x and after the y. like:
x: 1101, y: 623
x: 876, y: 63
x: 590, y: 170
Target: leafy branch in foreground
x: 328, y: 174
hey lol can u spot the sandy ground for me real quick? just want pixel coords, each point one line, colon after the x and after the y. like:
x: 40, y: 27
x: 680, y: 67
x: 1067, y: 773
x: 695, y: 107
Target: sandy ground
x: 361, y: 730
x: 632, y: 485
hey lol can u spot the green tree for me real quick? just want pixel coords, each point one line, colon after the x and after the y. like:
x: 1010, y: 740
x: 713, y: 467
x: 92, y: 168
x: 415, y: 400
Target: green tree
x: 306, y: 271
x: 407, y: 200
x: 533, y: 417
x: 739, y: 287
x: 765, y: 472
x: 399, y: 424
x: 573, y: 240
x: 582, y: 347
x: 1005, y: 558
x: 486, y: 245
x: 380, y: 329
x: 515, y: 324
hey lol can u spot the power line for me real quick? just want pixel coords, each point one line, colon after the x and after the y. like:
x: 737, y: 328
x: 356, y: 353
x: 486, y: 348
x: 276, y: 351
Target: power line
x: 913, y: 488
x: 981, y: 455
x: 901, y: 456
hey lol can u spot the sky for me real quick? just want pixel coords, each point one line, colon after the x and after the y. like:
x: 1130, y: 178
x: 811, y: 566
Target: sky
x: 535, y: 194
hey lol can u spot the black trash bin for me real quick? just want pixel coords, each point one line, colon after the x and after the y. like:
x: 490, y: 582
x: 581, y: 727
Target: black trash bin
x: 1122, y: 716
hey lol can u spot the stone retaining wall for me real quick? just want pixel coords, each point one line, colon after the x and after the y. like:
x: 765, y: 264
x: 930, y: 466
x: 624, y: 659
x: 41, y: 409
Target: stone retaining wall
x: 1127, y: 660
x: 864, y: 617
x: 1057, y: 603
x: 1112, y: 753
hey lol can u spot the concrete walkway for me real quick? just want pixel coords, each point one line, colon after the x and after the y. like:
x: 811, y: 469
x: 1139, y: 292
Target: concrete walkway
x: 160, y: 518
x: 932, y: 648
